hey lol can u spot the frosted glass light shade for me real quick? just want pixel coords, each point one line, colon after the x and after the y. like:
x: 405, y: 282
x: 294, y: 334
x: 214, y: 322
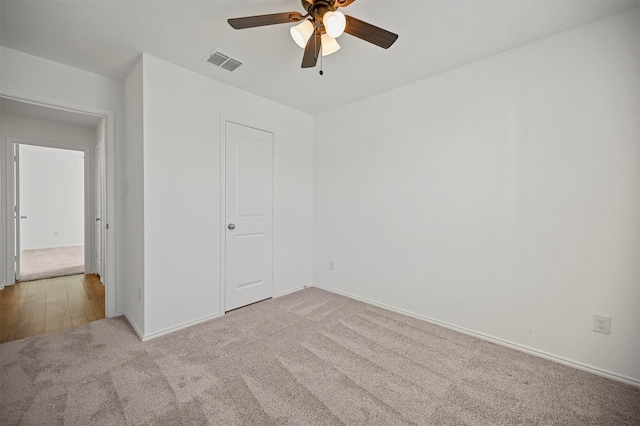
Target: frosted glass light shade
x: 302, y: 32
x: 329, y: 45
x: 334, y: 23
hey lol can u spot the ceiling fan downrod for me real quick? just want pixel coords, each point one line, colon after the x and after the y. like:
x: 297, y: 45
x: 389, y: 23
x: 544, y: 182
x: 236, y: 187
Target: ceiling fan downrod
x: 318, y: 8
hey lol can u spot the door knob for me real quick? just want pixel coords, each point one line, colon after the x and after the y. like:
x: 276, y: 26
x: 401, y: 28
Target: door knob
x: 231, y: 226
x: 23, y: 217
x: 97, y: 219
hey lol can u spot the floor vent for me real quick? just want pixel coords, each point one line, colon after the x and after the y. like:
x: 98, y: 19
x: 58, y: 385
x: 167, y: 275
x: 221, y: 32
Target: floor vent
x: 222, y: 60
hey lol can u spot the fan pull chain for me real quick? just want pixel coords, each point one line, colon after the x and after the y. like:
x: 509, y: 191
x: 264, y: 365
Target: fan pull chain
x: 320, y: 53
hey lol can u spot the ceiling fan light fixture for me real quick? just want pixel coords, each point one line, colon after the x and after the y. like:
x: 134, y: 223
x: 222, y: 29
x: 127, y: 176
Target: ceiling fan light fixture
x: 329, y: 45
x: 322, y: 17
x: 301, y: 32
x: 334, y: 23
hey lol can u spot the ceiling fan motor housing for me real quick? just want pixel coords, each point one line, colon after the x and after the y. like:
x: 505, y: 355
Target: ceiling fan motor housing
x: 318, y: 8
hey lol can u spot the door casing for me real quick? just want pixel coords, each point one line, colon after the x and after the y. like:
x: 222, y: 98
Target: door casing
x: 99, y: 199
x: 88, y: 207
x: 17, y: 210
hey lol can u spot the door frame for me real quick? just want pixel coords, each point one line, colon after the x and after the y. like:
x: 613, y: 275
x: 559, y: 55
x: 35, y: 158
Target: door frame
x: 98, y: 182
x: 89, y: 209
x: 109, y: 211
x: 17, y: 210
x: 223, y: 203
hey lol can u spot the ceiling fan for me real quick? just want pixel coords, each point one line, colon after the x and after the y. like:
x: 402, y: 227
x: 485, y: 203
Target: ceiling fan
x: 319, y: 28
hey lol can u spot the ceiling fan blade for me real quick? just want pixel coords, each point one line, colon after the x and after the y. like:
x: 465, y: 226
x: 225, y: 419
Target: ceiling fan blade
x: 343, y: 3
x: 370, y: 33
x: 312, y: 50
x: 262, y: 20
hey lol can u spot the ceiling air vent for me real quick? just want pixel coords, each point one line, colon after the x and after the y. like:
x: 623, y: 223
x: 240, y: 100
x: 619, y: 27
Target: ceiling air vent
x: 231, y: 64
x: 222, y: 60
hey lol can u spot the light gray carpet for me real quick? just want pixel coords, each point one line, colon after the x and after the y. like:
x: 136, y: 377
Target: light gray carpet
x: 51, y: 262
x: 311, y: 357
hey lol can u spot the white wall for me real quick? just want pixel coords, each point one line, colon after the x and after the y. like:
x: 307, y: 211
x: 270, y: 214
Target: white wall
x: 39, y: 130
x: 31, y: 74
x: 27, y: 76
x: 194, y: 105
x: 52, y: 197
x: 131, y: 201
x: 501, y: 197
x: 182, y: 195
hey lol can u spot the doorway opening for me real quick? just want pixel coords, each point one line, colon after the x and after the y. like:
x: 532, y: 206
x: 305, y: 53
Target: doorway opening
x: 79, y: 134
x: 50, y: 208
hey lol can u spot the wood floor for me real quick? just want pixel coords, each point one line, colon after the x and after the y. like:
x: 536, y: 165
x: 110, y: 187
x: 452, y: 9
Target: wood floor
x: 43, y: 306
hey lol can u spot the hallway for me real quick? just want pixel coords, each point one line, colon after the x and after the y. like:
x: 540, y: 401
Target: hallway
x: 37, y: 307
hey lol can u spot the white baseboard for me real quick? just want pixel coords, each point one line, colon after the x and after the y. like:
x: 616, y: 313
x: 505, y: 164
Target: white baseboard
x: 146, y: 338
x: 179, y: 327
x: 284, y: 293
x: 498, y: 341
x: 134, y: 326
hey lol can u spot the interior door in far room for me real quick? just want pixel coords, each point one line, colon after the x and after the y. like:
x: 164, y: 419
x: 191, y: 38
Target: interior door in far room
x: 98, y: 200
x: 249, y: 215
x: 16, y: 209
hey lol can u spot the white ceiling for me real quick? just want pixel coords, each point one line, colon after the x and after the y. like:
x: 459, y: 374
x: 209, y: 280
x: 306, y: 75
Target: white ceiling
x: 106, y: 37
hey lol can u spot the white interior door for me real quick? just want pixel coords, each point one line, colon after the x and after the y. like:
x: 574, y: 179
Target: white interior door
x: 98, y: 198
x: 16, y: 209
x: 249, y: 215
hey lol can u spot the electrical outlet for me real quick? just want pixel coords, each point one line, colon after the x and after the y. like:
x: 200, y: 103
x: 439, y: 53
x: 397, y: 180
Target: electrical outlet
x: 331, y: 265
x: 602, y: 323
